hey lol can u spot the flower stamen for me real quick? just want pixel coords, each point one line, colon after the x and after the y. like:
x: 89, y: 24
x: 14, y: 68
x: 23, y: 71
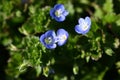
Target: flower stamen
x: 85, y: 27
x: 48, y: 40
x: 63, y: 37
x: 58, y: 12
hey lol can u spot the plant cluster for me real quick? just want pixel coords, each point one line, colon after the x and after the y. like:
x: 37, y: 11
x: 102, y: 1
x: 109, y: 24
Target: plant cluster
x: 49, y: 39
x: 59, y: 39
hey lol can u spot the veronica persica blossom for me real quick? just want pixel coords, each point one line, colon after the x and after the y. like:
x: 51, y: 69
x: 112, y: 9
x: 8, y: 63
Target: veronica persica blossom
x: 83, y: 26
x: 58, y: 12
x: 49, y: 39
x: 62, y: 36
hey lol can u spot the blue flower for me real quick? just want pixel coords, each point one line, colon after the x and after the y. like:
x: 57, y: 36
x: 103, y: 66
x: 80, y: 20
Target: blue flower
x: 58, y: 12
x: 84, y: 25
x: 49, y: 39
x: 62, y: 36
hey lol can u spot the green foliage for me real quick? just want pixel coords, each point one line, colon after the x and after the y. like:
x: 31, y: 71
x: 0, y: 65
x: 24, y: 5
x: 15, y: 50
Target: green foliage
x: 84, y: 57
x: 37, y: 21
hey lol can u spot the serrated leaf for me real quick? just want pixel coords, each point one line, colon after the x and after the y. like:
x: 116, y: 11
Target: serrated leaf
x: 46, y: 71
x: 75, y: 69
x: 38, y: 70
x: 23, y: 31
x: 116, y: 43
x: 32, y: 10
x: 109, y: 18
x: 69, y: 6
x: 82, y: 53
x: 23, y: 66
x: 98, y: 12
x: 18, y: 13
x: 87, y: 56
x: 37, y: 22
x: 118, y: 21
x: 109, y: 51
x: 108, y: 6
x: 7, y: 7
x: 96, y: 56
x: 94, y: 26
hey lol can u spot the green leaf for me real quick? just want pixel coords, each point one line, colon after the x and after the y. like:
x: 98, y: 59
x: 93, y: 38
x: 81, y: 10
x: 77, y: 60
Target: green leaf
x: 7, y: 7
x: 46, y: 71
x: 87, y: 58
x: 38, y: 70
x: 69, y: 7
x: 38, y: 22
x: 98, y: 11
x: 108, y: 6
x: 109, y: 18
x: 75, y: 69
x: 23, y: 66
x: 109, y: 51
x: 33, y: 50
x: 94, y: 26
x: 84, y: 1
x: 23, y: 31
x: 18, y: 13
x: 116, y: 43
x: 118, y: 20
x: 82, y: 54
x: 32, y: 10
x: 96, y: 56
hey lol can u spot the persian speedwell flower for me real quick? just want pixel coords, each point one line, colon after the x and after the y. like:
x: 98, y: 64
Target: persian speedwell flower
x: 58, y: 12
x: 62, y: 36
x: 84, y: 25
x: 49, y: 39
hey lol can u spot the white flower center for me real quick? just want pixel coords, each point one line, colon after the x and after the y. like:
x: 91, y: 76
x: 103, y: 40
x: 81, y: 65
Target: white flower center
x: 63, y: 37
x: 48, y: 40
x: 85, y: 26
x: 58, y: 12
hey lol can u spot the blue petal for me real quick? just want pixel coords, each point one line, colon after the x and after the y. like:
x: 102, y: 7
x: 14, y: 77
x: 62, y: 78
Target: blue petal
x: 60, y: 43
x: 51, y: 46
x: 81, y: 22
x: 60, y: 33
x: 60, y: 19
x: 52, y: 13
x: 50, y: 33
x: 88, y: 21
x: 86, y: 31
x: 59, y: 6
x: 65, y: 13
x: 78, y: 29
x: 42, y: 37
